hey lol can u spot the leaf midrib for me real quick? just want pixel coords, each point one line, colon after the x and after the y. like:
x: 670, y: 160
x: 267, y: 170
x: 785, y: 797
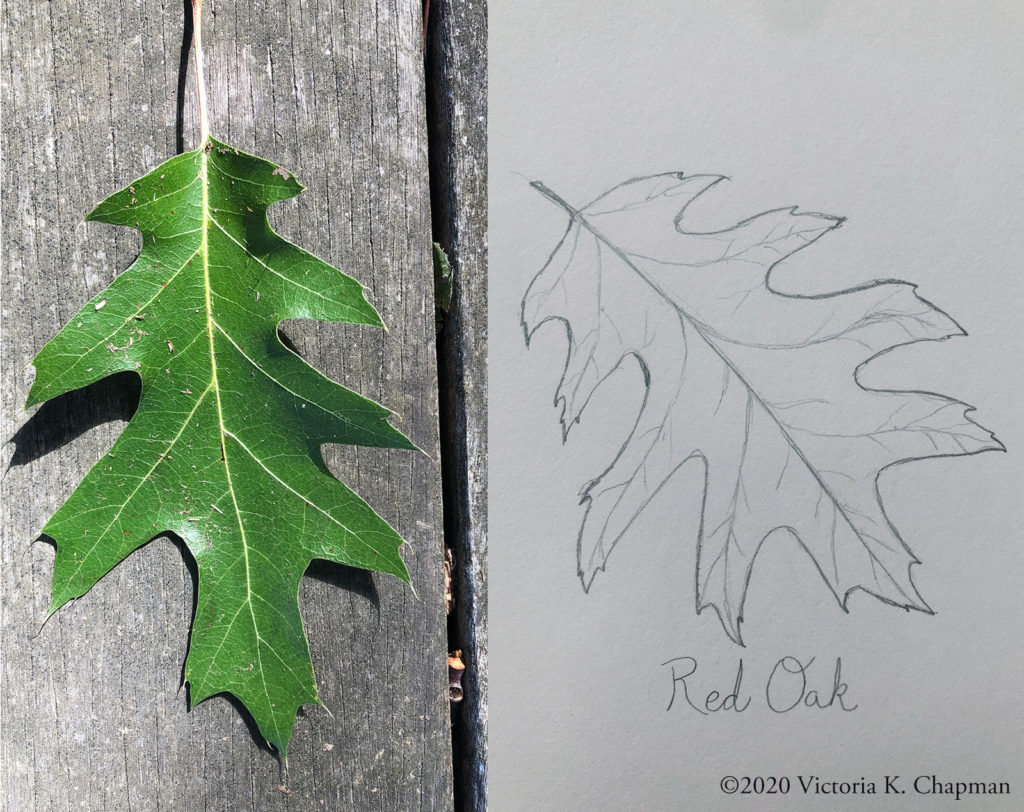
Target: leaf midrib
x: 205, y: 253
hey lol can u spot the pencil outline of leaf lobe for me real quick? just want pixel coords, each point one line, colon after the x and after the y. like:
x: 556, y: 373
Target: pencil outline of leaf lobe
x: 762, y: 387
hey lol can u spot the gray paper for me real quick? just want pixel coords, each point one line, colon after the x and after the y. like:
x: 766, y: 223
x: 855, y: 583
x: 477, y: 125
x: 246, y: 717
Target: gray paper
x: 767, y: 258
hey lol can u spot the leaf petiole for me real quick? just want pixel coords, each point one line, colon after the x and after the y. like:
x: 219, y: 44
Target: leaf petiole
x: 197, y: 40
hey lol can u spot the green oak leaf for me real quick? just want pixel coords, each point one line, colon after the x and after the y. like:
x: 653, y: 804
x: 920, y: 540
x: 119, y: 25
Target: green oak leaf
x: 224, y: 449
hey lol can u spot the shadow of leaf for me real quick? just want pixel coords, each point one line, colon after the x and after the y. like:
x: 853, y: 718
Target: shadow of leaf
x: 69, y: 416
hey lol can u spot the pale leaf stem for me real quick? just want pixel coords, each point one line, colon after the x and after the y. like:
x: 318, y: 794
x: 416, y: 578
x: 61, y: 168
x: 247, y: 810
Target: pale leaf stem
x: 197, y: 45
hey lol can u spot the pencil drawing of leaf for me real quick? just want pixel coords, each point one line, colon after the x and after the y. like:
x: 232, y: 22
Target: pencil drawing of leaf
x: 759, y: 386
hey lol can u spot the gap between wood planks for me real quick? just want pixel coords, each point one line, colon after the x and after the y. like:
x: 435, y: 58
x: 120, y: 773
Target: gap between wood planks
x: 455, y: 223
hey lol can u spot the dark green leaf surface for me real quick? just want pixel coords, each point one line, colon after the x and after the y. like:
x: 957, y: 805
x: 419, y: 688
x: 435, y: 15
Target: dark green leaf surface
x: 224, y: 450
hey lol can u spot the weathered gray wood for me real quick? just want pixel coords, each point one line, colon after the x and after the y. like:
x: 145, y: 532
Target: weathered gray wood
x: 457, y: 101
x: 93, y: 713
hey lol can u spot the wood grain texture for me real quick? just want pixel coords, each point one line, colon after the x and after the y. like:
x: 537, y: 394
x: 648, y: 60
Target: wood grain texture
x: 94, y: 715
x: 457, y: 104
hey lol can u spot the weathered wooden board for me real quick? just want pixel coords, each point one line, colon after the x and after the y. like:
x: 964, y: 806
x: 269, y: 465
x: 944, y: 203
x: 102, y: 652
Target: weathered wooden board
x: 457, y: 104
x: 94, y: 715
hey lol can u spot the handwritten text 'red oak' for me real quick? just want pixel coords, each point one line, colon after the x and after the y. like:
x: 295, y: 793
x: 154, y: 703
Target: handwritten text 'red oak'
x: 791, y: 685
